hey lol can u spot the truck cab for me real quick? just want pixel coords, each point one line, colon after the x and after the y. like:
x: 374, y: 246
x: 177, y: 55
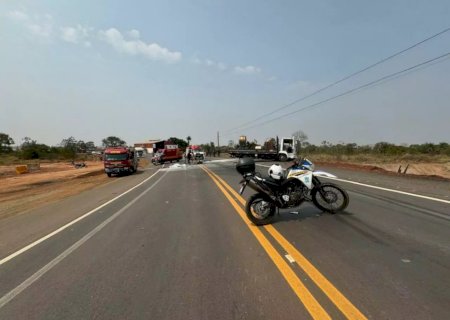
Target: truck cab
x: 117, y: 160
x: 286, y: 149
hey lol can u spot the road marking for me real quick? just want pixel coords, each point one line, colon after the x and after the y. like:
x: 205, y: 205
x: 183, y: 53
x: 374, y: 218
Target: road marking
x: 28, y: 282
x: 35, y: 243
x: 403, y: 204
x: 381, y: 188
x: 341, y: 302
x: 305, y: 296
x: 289, y: 258
x: 392, y: 190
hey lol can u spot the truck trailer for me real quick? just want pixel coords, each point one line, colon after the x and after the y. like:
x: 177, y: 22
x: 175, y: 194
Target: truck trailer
x: 285, y: 150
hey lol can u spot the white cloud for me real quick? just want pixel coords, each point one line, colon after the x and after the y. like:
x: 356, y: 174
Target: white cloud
x: 135, y: 47
x: 18, y: 15
x: 42, y: 30
x: 302, y: 85
x: 196, y: 60
x: 41, y: 26
x: 221, y: 66
x: 135, y: 34
x: 247, y: 70
x: 210, y: 63
x: 76, y: 35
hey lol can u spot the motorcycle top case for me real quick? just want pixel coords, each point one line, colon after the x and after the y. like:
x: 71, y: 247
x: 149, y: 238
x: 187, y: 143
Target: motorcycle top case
x: 245, y: 165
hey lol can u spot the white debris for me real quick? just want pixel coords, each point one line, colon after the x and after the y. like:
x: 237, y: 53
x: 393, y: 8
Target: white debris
x: 406, y: 260
x: 289, y: 258
x: 177, y: 166
x: 221, y: 160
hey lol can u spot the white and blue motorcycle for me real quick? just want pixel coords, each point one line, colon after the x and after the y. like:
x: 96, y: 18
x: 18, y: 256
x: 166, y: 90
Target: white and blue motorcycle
x: 288, y: 188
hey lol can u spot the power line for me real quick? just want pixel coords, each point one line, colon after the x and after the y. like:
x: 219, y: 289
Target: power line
x: 390, y: 76
x: 341, y: 80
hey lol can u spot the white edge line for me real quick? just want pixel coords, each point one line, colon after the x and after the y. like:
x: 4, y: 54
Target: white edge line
x: 391, y: 190
x: 384, y: 189
x: 33, y: 278
x: 35, y: 243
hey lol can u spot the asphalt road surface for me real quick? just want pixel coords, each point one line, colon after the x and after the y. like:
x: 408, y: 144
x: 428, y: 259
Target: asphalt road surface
x: 175, y: 244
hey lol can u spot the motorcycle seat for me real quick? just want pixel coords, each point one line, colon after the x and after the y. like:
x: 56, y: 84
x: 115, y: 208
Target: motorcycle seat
x: 271, y: 181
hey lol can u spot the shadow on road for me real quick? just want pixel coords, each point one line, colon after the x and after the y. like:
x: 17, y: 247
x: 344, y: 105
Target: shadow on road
x: 303, y: 213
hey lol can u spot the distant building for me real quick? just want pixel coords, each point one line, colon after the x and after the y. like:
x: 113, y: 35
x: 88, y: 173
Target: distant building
x: 149, y: 145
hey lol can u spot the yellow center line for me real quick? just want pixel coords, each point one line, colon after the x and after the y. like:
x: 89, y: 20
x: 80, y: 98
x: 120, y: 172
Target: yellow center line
x: 308, y: 300
x: 341, y: 302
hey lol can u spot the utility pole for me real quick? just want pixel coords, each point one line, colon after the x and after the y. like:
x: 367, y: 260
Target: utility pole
x: 218, y: 144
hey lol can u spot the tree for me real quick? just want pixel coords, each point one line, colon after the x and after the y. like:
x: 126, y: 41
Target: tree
x: 90, y: 146
x: 180, y: 142
x: 69, y: 143
x: 381, y: 147
x: 81, y: 146
x: 69, y: 147
x: 350, y: 148
x: 207, y: 148
x: 188, y: 138
x: 27, y: 141
x: 300, y: 137
x: 5, y: 143
x: 30, y: 149
x: 113, y: 141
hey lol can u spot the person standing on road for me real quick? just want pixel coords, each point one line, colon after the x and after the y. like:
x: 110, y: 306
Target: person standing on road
x: 189, y: 156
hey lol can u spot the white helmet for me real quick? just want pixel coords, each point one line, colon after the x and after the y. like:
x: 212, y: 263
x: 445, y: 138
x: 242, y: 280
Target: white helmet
x: 276, y: 171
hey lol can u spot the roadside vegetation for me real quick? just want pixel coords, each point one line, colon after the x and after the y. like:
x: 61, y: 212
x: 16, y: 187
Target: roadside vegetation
x: 69, y: 149
x: 383, y: 152
x: 30, y: 150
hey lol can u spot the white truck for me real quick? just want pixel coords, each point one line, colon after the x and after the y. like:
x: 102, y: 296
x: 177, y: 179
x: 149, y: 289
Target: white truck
x: 285, y: 150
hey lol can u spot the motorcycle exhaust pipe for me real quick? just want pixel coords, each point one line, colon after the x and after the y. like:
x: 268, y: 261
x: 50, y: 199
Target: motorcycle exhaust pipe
x: 257, y: 187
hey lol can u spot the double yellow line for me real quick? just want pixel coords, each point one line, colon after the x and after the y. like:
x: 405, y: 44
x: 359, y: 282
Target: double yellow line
x: 305, y: 296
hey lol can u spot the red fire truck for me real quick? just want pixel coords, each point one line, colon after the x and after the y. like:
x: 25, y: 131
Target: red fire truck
x: 120, y: 160
x: 170, y: 153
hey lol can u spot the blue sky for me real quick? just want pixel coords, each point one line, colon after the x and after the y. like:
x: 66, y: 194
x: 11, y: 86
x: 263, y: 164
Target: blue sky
x: 154, y: 69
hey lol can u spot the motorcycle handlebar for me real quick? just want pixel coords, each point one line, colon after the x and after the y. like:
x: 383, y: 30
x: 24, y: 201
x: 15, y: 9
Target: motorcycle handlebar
x: 296, y: 162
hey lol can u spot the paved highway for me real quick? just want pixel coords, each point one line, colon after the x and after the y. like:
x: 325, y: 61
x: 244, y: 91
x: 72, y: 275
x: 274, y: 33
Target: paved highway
x: 174, y: 244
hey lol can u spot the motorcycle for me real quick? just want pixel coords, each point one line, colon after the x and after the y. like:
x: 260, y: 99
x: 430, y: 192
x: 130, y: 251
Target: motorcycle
x: 288, y: 188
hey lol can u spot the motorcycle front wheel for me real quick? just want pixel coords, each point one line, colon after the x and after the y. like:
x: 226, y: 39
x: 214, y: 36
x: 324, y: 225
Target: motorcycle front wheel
x: 259, y: 210
x: 330, y: 197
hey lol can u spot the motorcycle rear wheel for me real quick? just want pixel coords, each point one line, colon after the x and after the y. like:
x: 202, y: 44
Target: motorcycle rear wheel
x: 330, y: 197
x: 259, y: 210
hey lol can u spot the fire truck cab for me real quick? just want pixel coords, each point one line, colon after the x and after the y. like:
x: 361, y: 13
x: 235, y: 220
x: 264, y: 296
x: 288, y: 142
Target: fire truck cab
x: 119, y: 160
